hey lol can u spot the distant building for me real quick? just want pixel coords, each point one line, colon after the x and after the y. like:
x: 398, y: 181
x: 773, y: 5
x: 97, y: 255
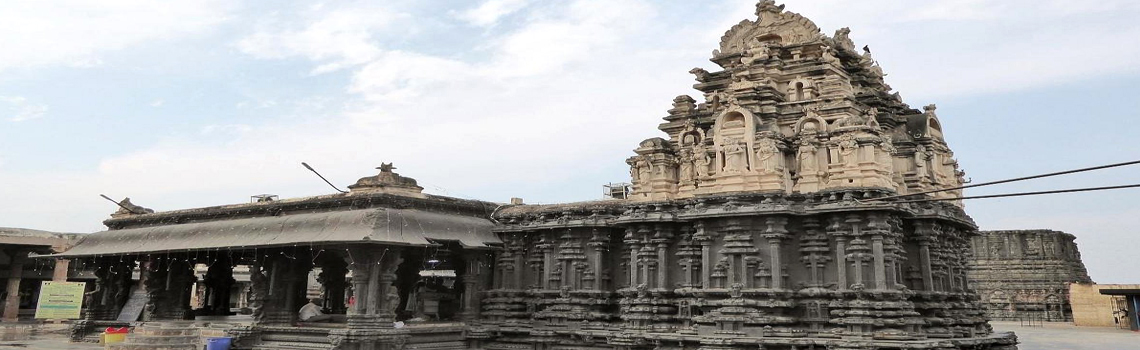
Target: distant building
x: 24, y: 275
x: 1025, y: 274
x: 1106, y: 305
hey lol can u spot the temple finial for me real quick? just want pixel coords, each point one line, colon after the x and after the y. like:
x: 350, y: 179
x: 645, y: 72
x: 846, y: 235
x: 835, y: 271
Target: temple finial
x: 768, y: 6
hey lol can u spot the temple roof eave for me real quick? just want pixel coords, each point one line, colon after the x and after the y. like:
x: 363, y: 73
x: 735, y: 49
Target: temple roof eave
x: 404, y: 227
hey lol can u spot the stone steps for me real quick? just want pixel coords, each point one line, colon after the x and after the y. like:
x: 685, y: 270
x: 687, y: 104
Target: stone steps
x: 449, y: 345
x: 162, y: 336
x: 278, y: 345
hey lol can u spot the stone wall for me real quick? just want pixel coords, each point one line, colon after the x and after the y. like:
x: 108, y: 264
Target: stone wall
x: 1023, y: 274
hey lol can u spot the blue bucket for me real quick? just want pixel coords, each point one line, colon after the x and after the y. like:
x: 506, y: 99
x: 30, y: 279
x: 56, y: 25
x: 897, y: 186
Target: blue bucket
x: 218, y: 343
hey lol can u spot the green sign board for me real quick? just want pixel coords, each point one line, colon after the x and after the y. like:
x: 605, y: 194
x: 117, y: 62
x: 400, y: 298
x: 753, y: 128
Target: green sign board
x: 60, y: 300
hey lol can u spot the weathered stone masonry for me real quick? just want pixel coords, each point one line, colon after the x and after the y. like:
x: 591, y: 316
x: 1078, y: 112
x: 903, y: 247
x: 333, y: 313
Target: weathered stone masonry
x: 1025, y: 274
x: 755, y: 224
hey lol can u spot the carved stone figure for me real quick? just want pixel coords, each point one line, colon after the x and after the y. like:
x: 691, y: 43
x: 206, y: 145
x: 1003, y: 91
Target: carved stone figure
x: 807, y: 158
x: 704, y: 162
x: 828, y: 57
x: 847, y: 147
x: 701, y: 74
x: 851, y: 120
x: 644, y: 169
x: 686, y: 166
x: 842, y: 38
x: 757, y: 52
x: 735, y: 157
x: 259, y: 290
x: 921, y: 159
x: 768, y: 157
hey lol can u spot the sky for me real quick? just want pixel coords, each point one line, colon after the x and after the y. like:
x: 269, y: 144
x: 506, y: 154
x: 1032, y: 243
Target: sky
x: 207, y: 102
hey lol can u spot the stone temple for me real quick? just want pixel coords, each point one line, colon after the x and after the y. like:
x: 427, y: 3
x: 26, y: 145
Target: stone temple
x: 1025, y: 274
x: 763, y: 219
x: 754, y: 223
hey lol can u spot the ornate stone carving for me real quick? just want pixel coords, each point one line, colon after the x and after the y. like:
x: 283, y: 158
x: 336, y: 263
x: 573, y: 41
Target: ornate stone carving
x: 1026, y: 281
x: 388, y: 181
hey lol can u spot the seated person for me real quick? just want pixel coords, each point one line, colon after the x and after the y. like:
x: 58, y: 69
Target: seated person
x: 311, y: 312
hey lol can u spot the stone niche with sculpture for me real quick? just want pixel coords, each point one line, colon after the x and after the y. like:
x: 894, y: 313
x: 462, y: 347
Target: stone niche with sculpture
x: 758, y: 222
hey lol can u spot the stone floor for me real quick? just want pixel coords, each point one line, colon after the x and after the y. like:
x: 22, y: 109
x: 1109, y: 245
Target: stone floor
x: 1065, y: 336
x: 1052, y: 336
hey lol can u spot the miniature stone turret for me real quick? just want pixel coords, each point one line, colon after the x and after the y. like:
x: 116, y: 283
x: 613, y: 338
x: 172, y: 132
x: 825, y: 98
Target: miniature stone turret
x: 388, y: 182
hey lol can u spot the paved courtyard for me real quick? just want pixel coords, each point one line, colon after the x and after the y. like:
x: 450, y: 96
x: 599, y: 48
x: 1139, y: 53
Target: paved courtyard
x: 1049, y: 337
x: 1065, y: 336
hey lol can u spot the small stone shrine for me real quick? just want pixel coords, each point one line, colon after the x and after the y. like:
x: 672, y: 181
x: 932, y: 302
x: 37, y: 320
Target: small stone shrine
x: 755, y: 223
x: 1025, y: 274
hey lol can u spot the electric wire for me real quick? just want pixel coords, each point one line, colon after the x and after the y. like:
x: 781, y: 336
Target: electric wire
x: 1018, y: 194
x: 1008, y: 180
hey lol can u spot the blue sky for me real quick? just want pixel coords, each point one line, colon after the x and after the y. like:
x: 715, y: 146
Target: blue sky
x: 200, y: 103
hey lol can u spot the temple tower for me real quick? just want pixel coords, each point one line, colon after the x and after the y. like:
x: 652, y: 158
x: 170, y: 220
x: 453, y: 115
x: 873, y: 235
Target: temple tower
x: 758, y: 220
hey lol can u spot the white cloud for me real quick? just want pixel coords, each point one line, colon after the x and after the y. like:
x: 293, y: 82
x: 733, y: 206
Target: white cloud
x: 489, y: 12
x: 18, y: 109
x: 157, y: 103
x: 231, y: 129
x: 74, y: 33
x: 335, y: 38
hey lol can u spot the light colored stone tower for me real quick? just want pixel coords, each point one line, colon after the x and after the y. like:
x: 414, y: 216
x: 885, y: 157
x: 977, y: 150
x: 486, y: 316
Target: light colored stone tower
x: 792, y: 111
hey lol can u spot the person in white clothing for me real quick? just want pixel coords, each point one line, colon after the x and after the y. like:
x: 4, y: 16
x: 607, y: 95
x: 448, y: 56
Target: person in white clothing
x: 311, y: 312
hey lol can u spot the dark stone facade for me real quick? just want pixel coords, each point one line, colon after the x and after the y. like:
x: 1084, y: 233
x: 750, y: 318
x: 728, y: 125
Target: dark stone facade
x: 1025, y: 274
x: 735, y: 272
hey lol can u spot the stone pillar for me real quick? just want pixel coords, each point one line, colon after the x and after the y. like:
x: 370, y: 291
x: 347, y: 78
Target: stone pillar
x: 374, y: 287
x: 547, y: 250
x: 922, y: 232
x: 647, y: 257
x: 706, y: 253
x: 632, y: 244
x: 259, y: 290
x: 59, y: 274
x: 474, y: 261
x: 597, y: 246
x: 880, y: 269
x: 16, y: 271
x: 281, y: 295
x: 775, y: 234
x: 359, y: 265
x: 662, y: 238
x: 835, y: 229
x: 365, y: 275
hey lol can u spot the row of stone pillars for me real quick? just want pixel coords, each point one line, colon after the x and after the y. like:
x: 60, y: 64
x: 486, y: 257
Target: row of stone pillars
x: 19, y: 258
x: 278, y: 284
